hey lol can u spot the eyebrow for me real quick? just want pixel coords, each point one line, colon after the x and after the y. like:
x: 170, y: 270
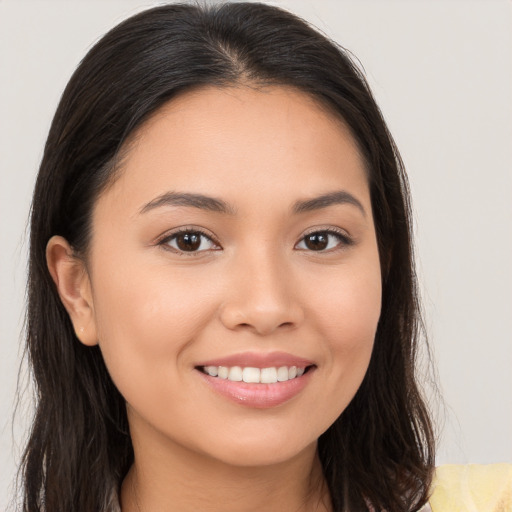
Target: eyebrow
x: 219, y: 206
x: 326, y: 200
x: 200, y: 201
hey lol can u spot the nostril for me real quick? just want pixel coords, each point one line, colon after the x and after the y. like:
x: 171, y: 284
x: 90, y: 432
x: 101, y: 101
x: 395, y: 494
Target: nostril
x: 252, y: 313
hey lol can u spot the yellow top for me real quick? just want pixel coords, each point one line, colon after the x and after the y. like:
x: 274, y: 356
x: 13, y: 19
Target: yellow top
x: 472, y: 488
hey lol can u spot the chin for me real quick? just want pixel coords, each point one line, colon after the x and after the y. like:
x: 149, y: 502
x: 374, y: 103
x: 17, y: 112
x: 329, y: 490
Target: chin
x: 262, y: 451
x: 262, y: 458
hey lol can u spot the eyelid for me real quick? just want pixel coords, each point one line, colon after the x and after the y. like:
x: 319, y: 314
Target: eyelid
x: 343, y: 236
x: 326, y: 229
x: 164, y: 239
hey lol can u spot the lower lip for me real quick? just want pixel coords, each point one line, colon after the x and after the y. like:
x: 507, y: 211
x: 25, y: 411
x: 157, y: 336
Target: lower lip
x: 261, y: 396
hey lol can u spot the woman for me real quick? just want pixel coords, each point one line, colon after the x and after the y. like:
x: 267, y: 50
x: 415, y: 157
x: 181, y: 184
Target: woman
x: 222, y: 303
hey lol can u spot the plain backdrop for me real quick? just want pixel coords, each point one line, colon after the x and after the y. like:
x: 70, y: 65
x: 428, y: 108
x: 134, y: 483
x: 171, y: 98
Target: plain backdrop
x: 442, y: 74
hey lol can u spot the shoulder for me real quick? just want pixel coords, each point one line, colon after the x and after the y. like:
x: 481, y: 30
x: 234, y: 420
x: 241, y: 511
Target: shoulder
x: 472, y: 487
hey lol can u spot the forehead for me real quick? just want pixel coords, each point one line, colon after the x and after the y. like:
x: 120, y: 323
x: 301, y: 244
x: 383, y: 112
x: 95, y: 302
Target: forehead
x: 235, y: 139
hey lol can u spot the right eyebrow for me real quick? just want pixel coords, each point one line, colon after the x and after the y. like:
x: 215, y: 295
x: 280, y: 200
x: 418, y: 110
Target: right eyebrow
x: 200, y: 201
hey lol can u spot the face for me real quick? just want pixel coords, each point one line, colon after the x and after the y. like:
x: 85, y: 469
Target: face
x: 234, y: 275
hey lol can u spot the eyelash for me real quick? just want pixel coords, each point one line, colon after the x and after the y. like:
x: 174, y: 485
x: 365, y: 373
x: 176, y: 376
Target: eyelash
x: 164, y: 242
x: 343, y: 240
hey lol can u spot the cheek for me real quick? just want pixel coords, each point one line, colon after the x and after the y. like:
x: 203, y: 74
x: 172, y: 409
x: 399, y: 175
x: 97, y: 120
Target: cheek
x: 347, y: 316
x: 348, y: 312
x: 145, y: 319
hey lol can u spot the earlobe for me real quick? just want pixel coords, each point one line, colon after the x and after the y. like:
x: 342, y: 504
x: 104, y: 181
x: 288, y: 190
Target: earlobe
x: 73, y: 285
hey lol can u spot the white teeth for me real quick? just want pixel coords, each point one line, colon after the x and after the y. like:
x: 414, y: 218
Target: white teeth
x: 213, y: 371
x: 282, y: 374
x: 255, y: 375
x: 251, y: 375
x: 268, y: 375
x: 235, y: 374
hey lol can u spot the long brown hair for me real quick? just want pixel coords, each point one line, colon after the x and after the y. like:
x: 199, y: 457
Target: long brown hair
x: 379, y: 452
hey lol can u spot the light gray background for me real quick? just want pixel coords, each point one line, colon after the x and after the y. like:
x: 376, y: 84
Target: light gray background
x: 442, y: 74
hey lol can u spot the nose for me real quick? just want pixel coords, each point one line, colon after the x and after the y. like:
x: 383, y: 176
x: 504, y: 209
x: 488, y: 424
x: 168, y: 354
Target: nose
x: 262, y: 297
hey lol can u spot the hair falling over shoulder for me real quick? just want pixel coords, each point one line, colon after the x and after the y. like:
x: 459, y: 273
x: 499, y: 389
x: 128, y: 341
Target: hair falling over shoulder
x: 379, y: 454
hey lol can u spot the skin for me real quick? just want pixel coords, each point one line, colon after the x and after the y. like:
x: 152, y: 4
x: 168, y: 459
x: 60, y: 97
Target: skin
x: 156, y: 312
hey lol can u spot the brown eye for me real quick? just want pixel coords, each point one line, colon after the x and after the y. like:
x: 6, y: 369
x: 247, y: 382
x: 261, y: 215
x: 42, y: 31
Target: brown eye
x: 324, y: 241
x: 190, y: 241
x: 316, y: 241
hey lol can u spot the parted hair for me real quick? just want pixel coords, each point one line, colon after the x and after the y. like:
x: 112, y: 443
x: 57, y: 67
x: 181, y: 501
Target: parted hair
x: 379, y: 454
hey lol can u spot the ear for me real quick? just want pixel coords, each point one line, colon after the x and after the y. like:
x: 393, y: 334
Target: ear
x: 74, y: 287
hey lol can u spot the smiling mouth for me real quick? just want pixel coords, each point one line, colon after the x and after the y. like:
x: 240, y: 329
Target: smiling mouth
x: 270, y: 375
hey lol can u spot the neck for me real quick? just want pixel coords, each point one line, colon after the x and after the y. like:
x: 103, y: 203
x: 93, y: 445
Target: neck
x: 184, y: 481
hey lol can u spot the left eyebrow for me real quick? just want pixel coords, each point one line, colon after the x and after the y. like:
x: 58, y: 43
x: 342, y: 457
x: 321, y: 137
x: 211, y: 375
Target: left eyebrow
x: 325, y: 200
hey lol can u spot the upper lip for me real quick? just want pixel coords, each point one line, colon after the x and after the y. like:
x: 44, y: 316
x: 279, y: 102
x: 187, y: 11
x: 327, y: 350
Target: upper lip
x: 259, y: 360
